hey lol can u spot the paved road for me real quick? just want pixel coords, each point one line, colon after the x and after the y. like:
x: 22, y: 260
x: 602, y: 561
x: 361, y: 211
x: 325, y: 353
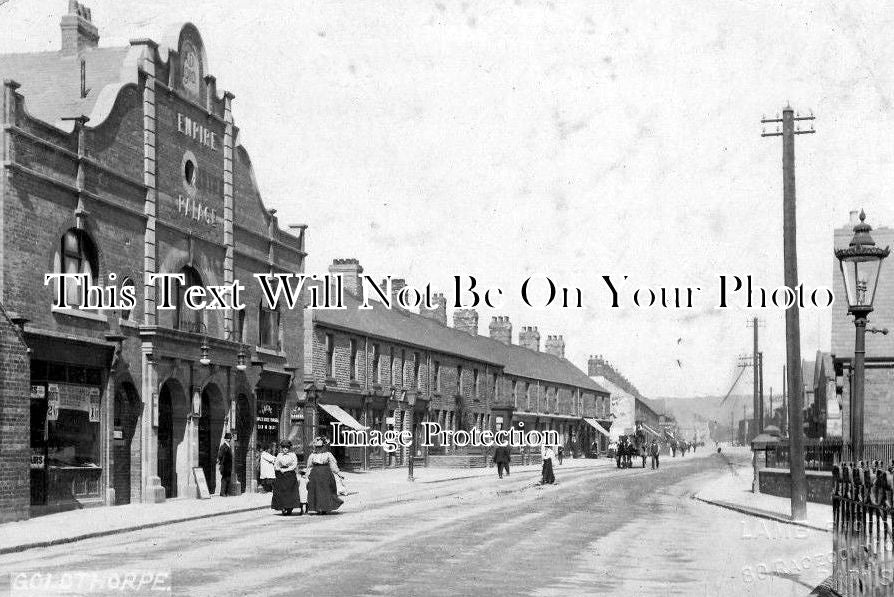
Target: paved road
x: 598, y: 532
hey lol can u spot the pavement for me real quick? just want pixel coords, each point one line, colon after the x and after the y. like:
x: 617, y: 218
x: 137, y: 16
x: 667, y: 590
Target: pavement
x: 366, y: 488
x: 598, y: 531
x: 733, y: 490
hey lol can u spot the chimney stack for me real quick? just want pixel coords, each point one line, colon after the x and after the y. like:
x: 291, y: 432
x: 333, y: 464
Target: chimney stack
x: 596, y: 366
x: 501, y: 329
x: 397, y: 284
x: 555, y: 345
x: 439, y: 313
x: 350, y: 270
x: 466, y: 320
x: 78, y: 31
x: 529, y: 337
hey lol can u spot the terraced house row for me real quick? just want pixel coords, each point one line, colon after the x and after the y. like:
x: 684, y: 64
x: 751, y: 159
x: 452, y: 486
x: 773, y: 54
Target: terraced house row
x: 393, y: 369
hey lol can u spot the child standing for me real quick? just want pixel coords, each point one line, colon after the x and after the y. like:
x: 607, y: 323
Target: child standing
x: 302, y: 491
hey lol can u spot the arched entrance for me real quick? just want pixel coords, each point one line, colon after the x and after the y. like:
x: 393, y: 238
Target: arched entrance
x: 244, y: 426
x: 173, y: 462
x: 126, y: 443
x: 210, y: 432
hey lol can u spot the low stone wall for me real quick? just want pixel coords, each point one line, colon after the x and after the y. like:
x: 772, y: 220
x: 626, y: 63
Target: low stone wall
x: 776, y: 481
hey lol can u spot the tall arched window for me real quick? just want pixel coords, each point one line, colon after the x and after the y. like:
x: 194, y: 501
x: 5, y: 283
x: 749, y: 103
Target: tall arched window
x: 186, y: 319
x: 127, y: 313
x: 77, y: 255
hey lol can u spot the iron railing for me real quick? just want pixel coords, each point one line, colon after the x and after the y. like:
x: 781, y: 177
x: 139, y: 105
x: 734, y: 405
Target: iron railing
x: 863, y: 510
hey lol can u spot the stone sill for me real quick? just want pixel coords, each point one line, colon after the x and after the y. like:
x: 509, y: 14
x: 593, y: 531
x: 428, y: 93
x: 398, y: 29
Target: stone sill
x: 91, y: 315
x: 272, y: 352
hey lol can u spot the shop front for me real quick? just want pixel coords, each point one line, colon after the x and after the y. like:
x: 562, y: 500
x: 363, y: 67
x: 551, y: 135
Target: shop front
x: 67, y: 443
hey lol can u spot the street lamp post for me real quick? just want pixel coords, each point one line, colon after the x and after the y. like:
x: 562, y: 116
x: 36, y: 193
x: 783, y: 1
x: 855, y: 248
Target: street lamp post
x: 861, y: 264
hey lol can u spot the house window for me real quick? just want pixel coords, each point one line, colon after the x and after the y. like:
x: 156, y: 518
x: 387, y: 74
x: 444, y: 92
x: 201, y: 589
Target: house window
x: 527, y: 396
x: 515, y: 393
x: 475, y: 383
x: 268, y: 327
x: 353, y: 372
x: 437, y: 376
x: 330, y: 356
x: 417, y: 370
x: 77, y: 255
x: 186, y: 319
x: 375, y: 363
x: 391, y: 363
x: 403, y: 361
x: 239, y: 332
x: 459, y: 380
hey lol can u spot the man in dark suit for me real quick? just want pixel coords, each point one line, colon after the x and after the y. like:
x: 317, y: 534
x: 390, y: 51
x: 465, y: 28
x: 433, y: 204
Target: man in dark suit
x: 225, y: 463
x: 501, y: 459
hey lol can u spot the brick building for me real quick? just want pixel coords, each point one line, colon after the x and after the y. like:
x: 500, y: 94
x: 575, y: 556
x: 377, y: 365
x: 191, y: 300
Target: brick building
x: 376, y: 367
x: 878, y: 408
x: 118, y: 163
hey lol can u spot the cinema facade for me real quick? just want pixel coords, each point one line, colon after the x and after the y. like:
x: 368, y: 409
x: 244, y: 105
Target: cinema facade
x: 127, y: 161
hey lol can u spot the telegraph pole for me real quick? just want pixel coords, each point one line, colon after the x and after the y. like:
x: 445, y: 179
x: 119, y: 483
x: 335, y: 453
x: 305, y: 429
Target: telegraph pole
x: 760, y: 372
x: 792, y: 316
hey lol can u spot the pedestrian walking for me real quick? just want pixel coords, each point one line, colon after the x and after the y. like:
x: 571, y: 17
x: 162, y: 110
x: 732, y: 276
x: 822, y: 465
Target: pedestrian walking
x: 501, y: 459
x: 547, y: 454
x: 674, y: 448
x: 225, y: 464
x: 654, y: 451
x: 285, y: 487
x: 560, y: 454
x: 268, y: 471
x: 322, y: 490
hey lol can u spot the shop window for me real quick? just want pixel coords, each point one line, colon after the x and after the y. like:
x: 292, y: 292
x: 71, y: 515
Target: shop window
x: 186, y: 319
x: 268, y: 327
x: 77, y: 255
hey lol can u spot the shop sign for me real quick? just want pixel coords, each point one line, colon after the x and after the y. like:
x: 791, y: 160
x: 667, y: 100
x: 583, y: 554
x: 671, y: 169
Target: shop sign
x: 38, y: 392
x: 267, y: 419
x: 52, y: 402
x: 77, y: 397
x: 37, y: 461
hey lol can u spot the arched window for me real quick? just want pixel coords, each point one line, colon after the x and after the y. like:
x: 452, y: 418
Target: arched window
x: 127, y: 313
x: 186, y: 319
x: 77, y: 255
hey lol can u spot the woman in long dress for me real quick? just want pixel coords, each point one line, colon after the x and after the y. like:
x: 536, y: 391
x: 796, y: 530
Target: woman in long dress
x: 547, y: 477
x: 322, y: 490
x: 285, y: 487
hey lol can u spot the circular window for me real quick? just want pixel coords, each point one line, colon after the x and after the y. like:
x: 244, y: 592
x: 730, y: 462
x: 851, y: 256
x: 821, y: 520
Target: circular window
x: 189, y: 170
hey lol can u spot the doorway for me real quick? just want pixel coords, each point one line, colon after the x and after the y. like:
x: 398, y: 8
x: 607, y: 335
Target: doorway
x: 243, y: 439
x: 166, y: 470
x: 210, y: 433
x: 125, y: 442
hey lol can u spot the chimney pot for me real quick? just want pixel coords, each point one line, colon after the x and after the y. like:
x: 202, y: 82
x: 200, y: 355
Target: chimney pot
x: 78, y: 31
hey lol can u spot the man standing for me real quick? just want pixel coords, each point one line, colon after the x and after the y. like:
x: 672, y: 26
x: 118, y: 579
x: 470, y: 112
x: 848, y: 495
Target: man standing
x: 501, y: 459
x: 225, y: 464
x: 674, y: 448
x: 654, y: 450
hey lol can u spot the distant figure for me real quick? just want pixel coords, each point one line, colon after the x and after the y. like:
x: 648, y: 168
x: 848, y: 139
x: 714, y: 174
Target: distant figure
x: 653, y: 451
x: 225, y: 464
x: 547, y: 476
x: 501, y: 459
x: 560, y: 454
x: 268, y: 472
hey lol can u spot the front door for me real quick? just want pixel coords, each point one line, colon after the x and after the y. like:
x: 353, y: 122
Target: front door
x: 207, y: 458
x: 166, y: 443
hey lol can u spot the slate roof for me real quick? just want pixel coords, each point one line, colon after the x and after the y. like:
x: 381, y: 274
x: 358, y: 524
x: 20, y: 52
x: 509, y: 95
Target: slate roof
x: 51, y: 81
x: 414, y: 329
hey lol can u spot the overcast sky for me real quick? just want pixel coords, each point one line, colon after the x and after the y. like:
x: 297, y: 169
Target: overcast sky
x: 500, y: 139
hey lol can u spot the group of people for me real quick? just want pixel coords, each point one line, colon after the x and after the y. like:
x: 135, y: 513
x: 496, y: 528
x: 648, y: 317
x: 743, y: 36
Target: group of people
x: 312, y: 488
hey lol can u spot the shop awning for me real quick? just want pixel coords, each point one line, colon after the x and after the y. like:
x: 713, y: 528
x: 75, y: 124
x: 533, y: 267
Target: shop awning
x: 341, y: 416
x: 595, y: 425
x: 650, y: 430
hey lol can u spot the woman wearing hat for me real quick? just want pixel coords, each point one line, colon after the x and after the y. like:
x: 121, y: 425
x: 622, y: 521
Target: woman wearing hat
x: 322, y: 491
x: 285, y: 487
